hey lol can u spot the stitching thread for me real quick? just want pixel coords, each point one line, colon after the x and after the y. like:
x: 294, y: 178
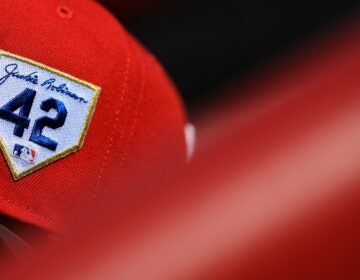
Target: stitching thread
x: 136, y: 118
x: 114, y: 129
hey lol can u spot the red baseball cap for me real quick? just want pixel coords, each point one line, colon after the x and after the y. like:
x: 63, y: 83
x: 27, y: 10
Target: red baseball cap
x: 83, y: 107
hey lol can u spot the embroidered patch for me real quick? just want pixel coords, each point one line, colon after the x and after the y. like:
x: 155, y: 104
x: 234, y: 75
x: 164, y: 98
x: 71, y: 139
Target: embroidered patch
x: 44, y: 113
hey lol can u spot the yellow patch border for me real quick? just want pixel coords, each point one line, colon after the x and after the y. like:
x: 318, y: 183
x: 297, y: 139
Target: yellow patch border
x: 18, y: 175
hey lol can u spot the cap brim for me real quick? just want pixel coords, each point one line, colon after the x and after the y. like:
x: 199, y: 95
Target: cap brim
x: 25, y: 215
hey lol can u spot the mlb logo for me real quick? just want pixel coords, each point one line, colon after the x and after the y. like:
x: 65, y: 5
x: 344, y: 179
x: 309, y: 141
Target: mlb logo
x: 24, y: 153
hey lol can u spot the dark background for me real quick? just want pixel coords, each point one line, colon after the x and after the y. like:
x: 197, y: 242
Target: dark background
x: 207, y: 44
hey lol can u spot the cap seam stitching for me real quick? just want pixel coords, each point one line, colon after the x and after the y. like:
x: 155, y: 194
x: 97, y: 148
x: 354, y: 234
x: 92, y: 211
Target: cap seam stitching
x: 137, y: 110
x: 114, y: 128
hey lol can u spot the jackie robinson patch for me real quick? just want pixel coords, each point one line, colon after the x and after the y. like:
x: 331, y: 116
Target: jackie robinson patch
x: 44, y: 113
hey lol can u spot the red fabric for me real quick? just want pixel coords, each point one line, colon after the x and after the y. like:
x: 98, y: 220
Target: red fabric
x: 137, y: 125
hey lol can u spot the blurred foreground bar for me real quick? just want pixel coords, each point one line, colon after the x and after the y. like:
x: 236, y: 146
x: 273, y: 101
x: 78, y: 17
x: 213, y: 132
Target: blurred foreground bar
x: 273, y: 194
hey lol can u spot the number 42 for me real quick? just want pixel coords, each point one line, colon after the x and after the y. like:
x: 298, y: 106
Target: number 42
x: 24, y: 102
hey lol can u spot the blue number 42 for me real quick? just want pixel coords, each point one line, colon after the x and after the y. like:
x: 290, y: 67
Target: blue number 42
x: 24, y: 102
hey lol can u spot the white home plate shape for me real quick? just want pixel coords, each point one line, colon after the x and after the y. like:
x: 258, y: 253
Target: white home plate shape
x: 44, y: 113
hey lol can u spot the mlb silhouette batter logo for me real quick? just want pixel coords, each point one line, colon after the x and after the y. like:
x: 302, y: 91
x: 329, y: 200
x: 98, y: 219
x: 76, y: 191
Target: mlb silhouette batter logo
x: 26, y: 154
